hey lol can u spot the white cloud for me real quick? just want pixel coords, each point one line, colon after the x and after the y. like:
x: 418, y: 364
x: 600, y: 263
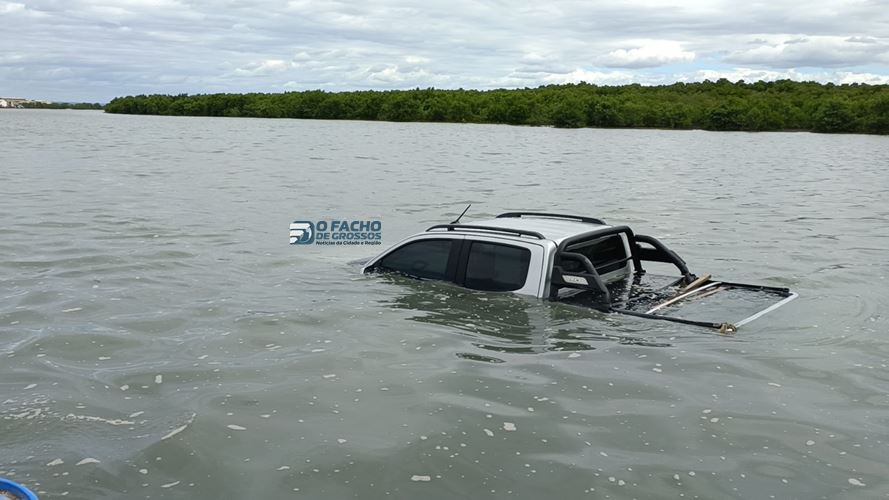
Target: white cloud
x: 597, y: 77
x: 11, y: 7
x: 535, y: 58
x: 388, y: 74
x: 814, y: 51
x: 869, y: 78
x: 753, y: 75
x: 653, y: 53
x: 393, y: 74
x: 746, y: 74
x: 261, y: 68
x: 302, y: 56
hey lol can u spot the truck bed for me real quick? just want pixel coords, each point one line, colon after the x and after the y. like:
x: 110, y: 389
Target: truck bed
x: 713, y: 303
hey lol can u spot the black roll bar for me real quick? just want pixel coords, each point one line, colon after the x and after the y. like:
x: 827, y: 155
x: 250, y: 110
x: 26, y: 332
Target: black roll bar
x: 591, y: 280
x: 660, y: 253
x: 578, y: 280
x: 631, y: 238
x: 582, y: 280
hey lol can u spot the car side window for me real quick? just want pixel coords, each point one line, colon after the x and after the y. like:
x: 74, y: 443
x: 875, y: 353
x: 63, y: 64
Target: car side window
x: 422, y: 259
x: 496, y: 267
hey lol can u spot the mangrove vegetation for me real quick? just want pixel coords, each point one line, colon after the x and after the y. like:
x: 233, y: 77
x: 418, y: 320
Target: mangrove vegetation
x: 61, y: 105
x: 719, y: 105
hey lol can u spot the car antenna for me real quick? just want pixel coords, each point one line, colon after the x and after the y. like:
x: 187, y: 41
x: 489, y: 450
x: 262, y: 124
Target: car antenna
x: 457, y: 220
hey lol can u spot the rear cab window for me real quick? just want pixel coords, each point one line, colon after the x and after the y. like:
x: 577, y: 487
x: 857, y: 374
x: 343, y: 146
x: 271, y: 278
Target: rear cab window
x: 495, y: 267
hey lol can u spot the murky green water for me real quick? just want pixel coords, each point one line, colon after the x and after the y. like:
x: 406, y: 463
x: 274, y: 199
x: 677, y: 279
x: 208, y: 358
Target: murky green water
x: 160, y: 339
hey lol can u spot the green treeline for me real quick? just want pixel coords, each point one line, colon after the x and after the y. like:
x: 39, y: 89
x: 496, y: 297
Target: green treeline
x: 720, y: 105
x: 61, y: 105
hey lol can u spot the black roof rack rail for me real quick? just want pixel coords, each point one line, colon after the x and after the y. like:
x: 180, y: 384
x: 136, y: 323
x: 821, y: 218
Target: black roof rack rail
x: 473, y: 227
x: 590, y: 220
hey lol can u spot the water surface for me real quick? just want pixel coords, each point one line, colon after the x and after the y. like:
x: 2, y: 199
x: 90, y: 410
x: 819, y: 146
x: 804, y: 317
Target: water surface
x: 160, y: 338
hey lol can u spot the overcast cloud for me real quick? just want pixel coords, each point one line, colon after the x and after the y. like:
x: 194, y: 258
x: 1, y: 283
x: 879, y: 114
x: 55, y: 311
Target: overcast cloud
x: 94, y: 50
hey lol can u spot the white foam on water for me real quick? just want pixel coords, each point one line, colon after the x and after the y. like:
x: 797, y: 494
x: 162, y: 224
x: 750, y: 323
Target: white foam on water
x: 109, y: 421
x: 174, y: 432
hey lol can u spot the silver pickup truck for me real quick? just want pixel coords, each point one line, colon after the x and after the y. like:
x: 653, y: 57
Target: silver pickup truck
x: 570, y: 258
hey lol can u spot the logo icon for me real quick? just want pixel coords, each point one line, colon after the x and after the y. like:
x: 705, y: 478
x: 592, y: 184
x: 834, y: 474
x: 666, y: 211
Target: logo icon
x: 302, y: 232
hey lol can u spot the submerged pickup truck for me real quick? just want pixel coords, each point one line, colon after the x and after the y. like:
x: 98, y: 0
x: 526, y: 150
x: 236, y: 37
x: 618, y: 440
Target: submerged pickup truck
x: 574, y: 259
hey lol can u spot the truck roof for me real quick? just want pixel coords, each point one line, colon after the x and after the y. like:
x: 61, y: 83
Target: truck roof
x: 552, y: 227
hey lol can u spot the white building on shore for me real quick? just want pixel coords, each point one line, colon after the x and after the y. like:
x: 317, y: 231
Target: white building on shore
x: 15, y: 102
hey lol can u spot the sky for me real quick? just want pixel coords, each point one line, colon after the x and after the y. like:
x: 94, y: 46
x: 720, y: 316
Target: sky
x: 95, y: 50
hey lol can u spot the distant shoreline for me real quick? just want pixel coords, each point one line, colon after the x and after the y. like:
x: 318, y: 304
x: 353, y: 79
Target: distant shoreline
x: 56, y: 105
x: 60, y: 108
x: 722, y: 105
